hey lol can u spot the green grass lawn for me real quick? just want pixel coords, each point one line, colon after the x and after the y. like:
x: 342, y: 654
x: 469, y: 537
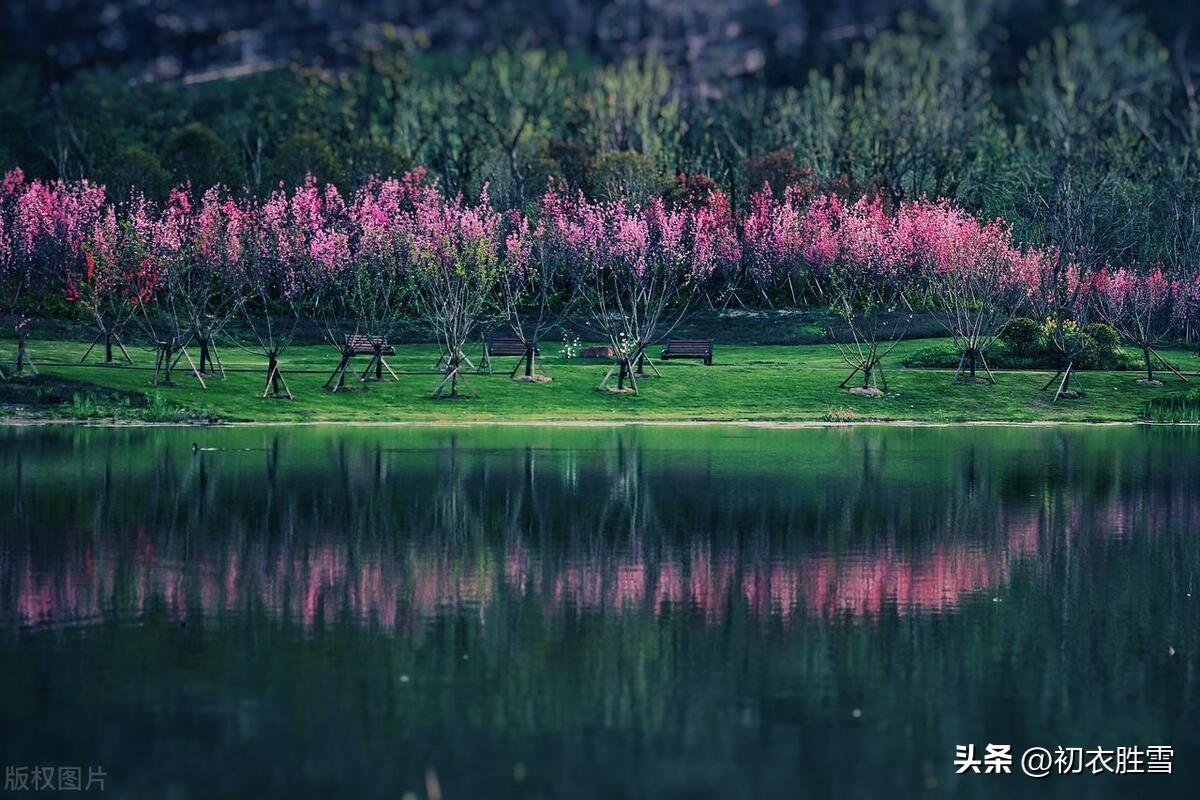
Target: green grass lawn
x: 748, y: 382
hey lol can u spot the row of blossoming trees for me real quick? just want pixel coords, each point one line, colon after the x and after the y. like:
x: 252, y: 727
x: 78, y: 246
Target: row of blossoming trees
x: 179, y: 274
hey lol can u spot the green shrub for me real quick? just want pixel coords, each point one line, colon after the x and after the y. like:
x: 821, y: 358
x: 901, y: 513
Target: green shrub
x: 1106, y: 337
x: 302, y: 155
x: 628, y: 175
x: 1088, y: 354
x: 1099, y: 347
x: 937, y: 356
x: 369, y: 157
x: 1021, y: 336
x: 135, y: 169
x: 777, y: 169
x: 194, y: 153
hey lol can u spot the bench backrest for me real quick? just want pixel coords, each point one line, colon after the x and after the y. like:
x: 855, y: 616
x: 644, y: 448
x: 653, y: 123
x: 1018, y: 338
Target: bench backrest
x: 362, y: 344
x: 507, y: 346
x: 689, y: 345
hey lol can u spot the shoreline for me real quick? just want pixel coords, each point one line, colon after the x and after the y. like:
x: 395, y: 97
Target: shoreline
x: 16, y: 422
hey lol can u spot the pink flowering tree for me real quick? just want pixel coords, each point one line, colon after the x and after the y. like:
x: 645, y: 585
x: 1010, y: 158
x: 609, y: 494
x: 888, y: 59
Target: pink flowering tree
x: 170, y: 235
x: 1055, y: 288
x: 375, y: 279
x: 460, y: 252
x: 12, y: 280
x: 191, y: 286
x: 969, y: 271
x: 535, y: 288
x: 207, y: 287
x: 773, y: 245
x: 194, y: 260
x: 48, y: 225
x: 183, y: 283
x: 637, y: 269
x: 277, y: 280
x: 306, y: 244
x: 1142, y: 307
x: 856, y: 247
x: 116, y: 279
x: 357, y: 255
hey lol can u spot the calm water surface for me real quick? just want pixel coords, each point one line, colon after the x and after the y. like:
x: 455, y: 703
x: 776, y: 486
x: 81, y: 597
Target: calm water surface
x: 596, y: 612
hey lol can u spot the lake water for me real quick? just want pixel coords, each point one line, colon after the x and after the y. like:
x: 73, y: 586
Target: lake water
x: 601, y: 612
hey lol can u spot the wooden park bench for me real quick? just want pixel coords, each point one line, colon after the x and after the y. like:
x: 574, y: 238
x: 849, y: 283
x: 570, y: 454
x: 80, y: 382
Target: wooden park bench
x: 360, y: 344
x: 499, y: 346
x: 689, y: 348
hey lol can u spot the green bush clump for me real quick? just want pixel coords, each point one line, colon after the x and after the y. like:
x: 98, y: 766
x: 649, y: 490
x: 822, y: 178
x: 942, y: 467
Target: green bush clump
x: 938, y: 356
x: 1024, y: 343
x: 1021, y: 336
x: 627, y: 175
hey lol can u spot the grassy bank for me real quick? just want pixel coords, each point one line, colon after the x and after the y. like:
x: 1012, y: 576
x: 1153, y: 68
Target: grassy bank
x: 748, y: 382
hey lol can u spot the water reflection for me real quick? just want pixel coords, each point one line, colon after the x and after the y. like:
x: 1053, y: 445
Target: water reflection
x: 389, y: 530
x: 624, y: 612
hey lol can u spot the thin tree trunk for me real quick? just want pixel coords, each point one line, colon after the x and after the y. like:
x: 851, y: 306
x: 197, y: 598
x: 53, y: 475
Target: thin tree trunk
x: 205, y: 356
x: 20, y: 366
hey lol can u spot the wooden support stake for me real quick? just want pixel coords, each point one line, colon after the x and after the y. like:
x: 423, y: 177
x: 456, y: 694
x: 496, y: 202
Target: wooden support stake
x: 195, y: 371
x: 124, y: 352
x: 336, y: 379
x: 1063, y: 386
x: 220, y: 366
x: 1167, y: 364
x: 607, y: 375
x: 986, y: 368
x: 1047, y: 386
x: 853, y: 372
x: 91, y: 347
